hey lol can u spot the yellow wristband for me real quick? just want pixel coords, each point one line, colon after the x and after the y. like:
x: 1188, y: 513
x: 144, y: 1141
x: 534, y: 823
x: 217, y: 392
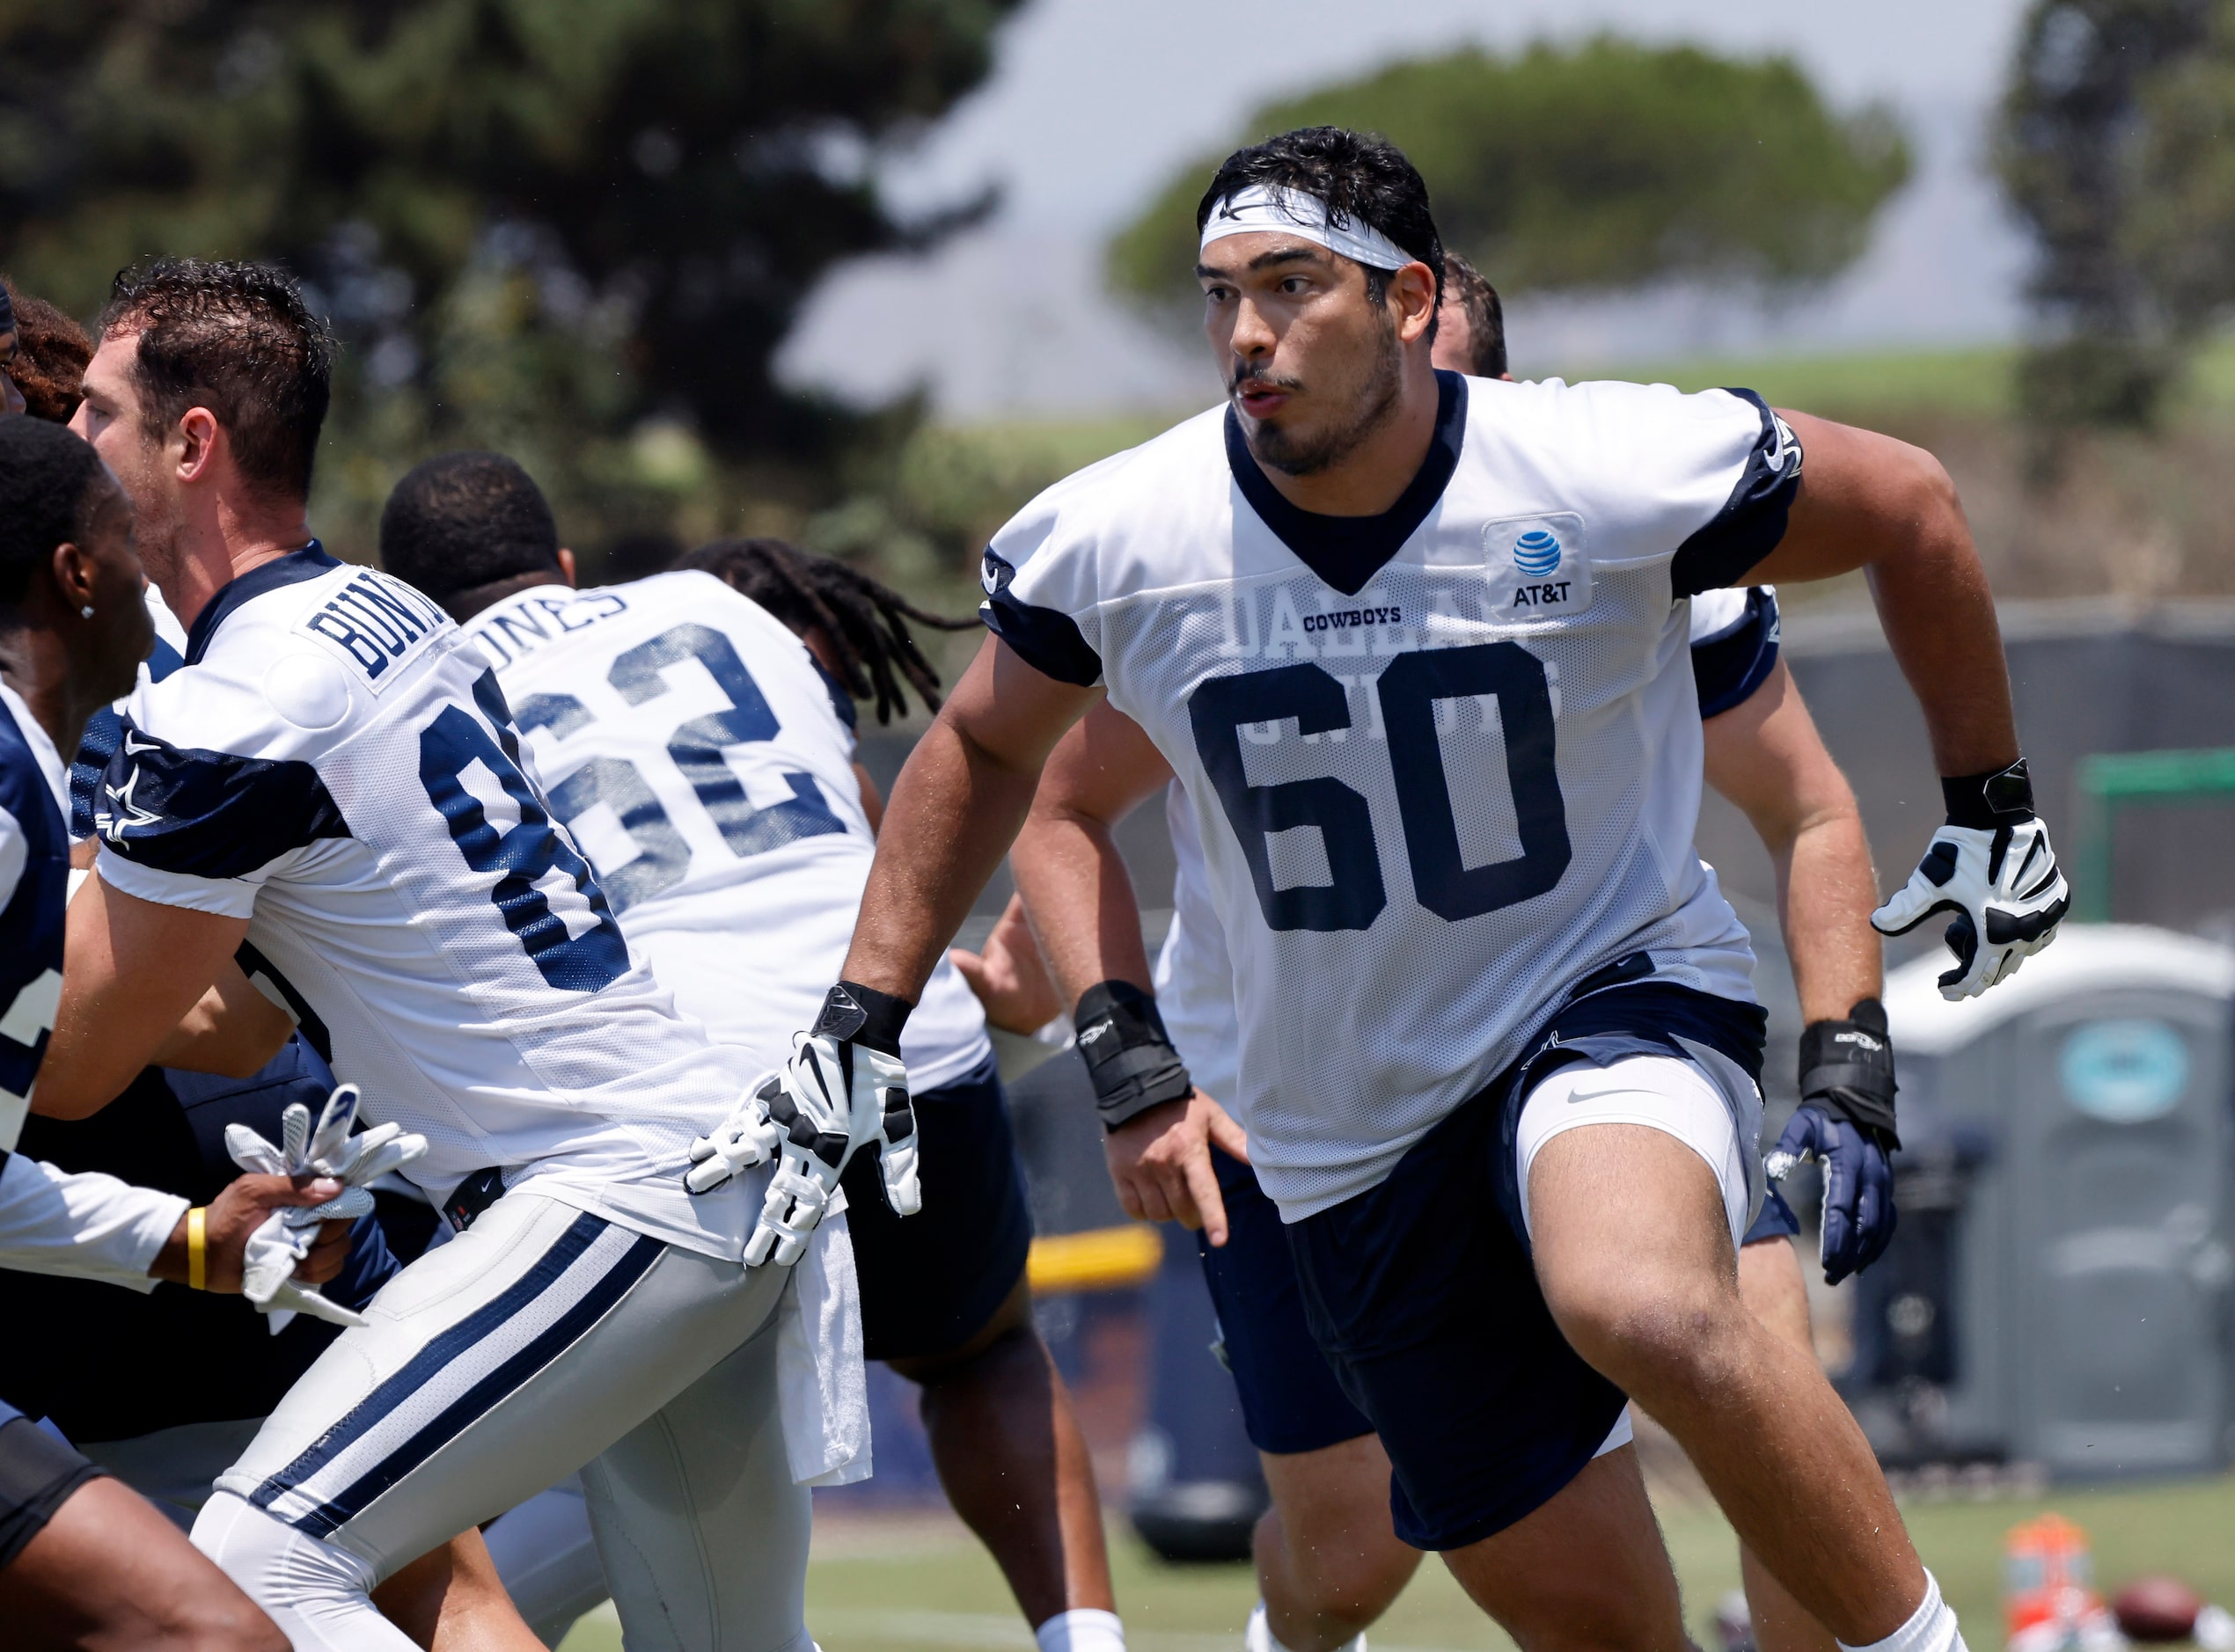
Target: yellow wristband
x: 198, y: 1249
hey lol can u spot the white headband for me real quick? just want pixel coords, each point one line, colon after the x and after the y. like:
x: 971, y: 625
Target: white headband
x: 1293, y: 212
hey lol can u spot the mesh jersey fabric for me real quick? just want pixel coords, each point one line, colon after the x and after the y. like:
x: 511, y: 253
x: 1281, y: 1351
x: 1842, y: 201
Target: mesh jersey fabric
x: 705, y: 763
x: 1734, y: 640
x: 1434, y: 797
x: 336, y: 762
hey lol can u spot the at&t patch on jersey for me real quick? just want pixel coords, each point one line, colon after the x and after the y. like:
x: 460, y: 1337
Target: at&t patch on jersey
x: 1535, y: 568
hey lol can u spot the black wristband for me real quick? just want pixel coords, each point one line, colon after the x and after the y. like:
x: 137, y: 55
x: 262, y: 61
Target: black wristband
x: 863, y: 1015
x: 1847, y: 1069
x: 1129, y: 1055
x: 2000, y: 797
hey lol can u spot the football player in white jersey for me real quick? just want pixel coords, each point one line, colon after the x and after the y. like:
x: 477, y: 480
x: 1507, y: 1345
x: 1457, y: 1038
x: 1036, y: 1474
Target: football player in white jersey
x: 333, y: 775
x: 1329, y: 1562
x: 1415, y: 647
x: 700, y: 745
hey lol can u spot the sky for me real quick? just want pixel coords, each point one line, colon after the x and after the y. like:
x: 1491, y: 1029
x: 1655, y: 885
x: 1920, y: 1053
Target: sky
x: 1093, y: 102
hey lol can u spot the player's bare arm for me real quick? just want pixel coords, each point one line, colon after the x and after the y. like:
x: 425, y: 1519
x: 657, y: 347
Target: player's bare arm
x: 233, y: 1030
x: 1765, y: 755
x: 1867, y: 500
x: 1080, y: 899
x: 135, y: 970
x: 954, y: 810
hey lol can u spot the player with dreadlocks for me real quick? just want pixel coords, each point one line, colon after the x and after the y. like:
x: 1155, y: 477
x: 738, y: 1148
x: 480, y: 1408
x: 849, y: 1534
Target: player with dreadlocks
x: 856, y: 628
x: 696, y: 730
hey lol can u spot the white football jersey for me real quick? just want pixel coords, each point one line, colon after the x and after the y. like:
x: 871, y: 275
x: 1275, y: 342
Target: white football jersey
x: 705, y: 763
x: 336, y: 762
x: 1734, y: 646
x: 1444, y: 763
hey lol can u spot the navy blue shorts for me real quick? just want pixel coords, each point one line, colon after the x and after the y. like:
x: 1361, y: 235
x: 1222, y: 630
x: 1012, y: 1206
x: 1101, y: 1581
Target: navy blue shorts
x: 1776, y: 1221
x: 1291, y: 1402
x: 1421, y: 1293
x: 931, y: 1282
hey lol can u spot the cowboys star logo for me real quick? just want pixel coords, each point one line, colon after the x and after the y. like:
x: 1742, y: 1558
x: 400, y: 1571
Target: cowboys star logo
x: 122, y: 813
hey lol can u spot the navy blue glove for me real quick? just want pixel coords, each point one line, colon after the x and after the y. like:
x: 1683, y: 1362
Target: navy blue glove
x: 1845, y: 1123
x: 1858, y: 1187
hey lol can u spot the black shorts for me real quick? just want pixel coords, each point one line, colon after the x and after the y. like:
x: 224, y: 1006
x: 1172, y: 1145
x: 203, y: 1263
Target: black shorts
x: 1290, y: 1401
x: 1421, y: 1293
x: 38, y: 1475
x: 930, y: 1281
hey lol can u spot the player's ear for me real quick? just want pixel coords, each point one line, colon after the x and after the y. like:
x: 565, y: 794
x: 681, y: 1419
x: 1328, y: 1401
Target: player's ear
x: 1412, y: 290
x: 566, y: 564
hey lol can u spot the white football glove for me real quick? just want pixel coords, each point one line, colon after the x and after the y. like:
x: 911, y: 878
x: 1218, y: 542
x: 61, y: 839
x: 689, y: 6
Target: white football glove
x: 2005, y: 889
x: 833, y: 1097
x: 284, y: 1237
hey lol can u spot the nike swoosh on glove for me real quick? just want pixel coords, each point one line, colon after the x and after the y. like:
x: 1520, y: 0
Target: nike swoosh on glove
x: 1858, y: 1216
x: 283, y: 1239
x: 2003, y: 886
x: 836, y: 1096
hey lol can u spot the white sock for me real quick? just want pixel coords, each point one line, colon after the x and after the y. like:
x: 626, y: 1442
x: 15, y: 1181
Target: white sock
x: 1259, y: 1637
x: 1081, y: 1629
x: 1931, y: 1627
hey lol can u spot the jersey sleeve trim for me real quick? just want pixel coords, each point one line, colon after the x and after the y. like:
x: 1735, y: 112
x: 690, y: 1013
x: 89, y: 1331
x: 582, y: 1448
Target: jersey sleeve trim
x: 1731, y: 665
x: 227, y: 897
x: 1751, y: 520
x: 1046, y: 638
x: 208, y: 813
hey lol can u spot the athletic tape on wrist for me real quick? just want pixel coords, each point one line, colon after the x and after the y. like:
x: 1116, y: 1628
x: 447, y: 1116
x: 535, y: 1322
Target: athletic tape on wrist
x: 1847, y: 1069
x: 2000, y: 797
x: 1130, y: 1058
x: 857, y: 1014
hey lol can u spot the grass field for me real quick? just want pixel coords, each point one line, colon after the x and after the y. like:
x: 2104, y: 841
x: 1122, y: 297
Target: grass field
x: 921, y: 1581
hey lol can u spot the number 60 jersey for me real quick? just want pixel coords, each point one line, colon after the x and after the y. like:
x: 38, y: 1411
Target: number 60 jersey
x: 335, y: 763
x: 1444, y: 762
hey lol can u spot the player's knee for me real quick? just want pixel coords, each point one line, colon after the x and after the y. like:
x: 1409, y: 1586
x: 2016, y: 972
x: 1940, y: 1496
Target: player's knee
x: 1346, y: 1575
x: 1646, y: 1330
x: 1349, y: 1594
x: 216, y: 1620
x: 280, y: 1569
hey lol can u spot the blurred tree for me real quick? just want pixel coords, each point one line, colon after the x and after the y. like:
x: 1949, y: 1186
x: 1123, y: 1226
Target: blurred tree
x: 578, y: 229
x: 2113, y: 146
x: 1602, y: 165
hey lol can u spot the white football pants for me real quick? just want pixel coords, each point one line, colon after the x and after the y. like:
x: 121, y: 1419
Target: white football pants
x: 541, y: 1339
x: 547, y: 1557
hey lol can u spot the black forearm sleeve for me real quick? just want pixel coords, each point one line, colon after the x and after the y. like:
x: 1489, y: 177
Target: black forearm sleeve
x: 1847, y: 1069
x: 1130, y: 1058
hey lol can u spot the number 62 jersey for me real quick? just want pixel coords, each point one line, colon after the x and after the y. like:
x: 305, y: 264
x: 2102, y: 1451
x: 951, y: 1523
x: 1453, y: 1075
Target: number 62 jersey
x: 1445, y: 762
x: 335, y: 763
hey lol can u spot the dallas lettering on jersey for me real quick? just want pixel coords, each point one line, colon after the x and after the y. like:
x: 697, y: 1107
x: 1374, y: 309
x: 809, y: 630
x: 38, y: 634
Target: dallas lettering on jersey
x: 374, y: 623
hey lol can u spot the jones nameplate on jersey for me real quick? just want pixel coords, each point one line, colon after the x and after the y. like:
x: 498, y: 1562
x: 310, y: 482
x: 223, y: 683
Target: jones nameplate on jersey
x: 375, y: 623
x: 1536, y: 568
